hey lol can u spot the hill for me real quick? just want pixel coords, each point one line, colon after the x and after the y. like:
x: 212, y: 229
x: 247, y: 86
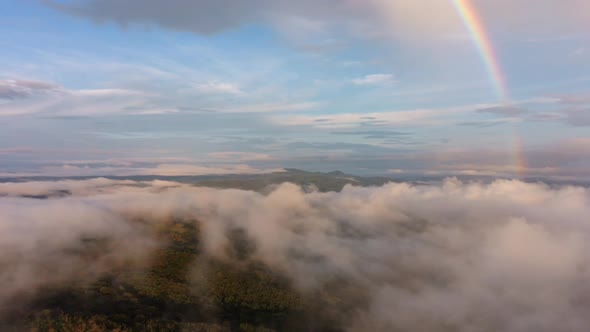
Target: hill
x: 331, y: 181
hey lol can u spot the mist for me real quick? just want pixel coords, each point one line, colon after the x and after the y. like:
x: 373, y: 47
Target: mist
x: 503, y: 256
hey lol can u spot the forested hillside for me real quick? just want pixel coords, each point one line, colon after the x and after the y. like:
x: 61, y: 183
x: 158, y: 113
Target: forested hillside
x: 179, y: 290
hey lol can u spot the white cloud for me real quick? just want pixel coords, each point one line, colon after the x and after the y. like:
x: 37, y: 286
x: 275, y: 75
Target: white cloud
x: 219, y: 87
x: 374, y: 79
x: 177, y: 169
x: 48, y: 99
x: 104, y: 92
x: 505, y: 256
x: 83, y: 102
x: 345, y: 120
x: 131, y: 169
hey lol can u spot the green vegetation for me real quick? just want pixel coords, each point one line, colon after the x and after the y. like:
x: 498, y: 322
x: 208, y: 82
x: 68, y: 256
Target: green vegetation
x: 181, y: 290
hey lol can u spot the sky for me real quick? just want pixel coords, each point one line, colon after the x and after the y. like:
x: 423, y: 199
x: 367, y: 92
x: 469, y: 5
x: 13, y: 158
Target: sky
x: 388, y: 87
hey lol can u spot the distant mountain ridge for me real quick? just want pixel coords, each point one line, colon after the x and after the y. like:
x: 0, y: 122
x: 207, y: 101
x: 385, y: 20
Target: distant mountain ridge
x: 330, y: 181
x: 324, y: 181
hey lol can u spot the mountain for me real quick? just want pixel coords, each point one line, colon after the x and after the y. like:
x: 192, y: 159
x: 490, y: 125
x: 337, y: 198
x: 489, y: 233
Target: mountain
x: 331, y: 181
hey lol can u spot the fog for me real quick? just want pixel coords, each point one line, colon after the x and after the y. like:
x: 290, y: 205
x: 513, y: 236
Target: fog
x: 504, y: 256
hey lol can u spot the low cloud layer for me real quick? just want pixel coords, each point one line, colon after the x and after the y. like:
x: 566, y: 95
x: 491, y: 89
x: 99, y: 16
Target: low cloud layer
x: 506, y: 256
x: 90, y: 169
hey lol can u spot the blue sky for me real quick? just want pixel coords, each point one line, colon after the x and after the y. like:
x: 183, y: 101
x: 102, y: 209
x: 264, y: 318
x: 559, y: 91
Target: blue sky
x: 104, y: 87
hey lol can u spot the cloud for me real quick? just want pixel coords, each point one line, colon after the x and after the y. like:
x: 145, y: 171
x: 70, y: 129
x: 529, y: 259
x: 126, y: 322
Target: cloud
x: 104, y: 93
x: 272, y: 107
x: 176, y: 169
x: 202, y: 16
x: 578, y: 53
x: 374, y: 79
x: 219, y: 87
x: 66, y: 187
x: 566, y: 158
x: 508, y: 255
x: 17, y: 89
x: 375, y: 134
x: 82, y: 102
x: 563, y: 160
x: 352, y: 120
x: 398, y: 136
x: 408, y: 117
x: 400, y: 19
x: 580, y: 99
x: 487, y: 123
x: 241, y: 156
x: 575, y: 113
x: 135, y: 169
x: 509, y: 111
x: 338, y: 148
x: 382, y: 133
x: 45, y: 243
x: 53, y: 101
x: 578, y: 117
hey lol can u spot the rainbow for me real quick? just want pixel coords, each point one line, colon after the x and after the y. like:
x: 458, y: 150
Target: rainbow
x: 520, y: 160
x: 474, y: 25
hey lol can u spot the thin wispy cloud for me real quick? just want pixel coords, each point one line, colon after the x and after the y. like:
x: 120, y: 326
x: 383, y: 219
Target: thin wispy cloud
x: 18, y: 88
x: 374, y: 79
x: 219, y: 87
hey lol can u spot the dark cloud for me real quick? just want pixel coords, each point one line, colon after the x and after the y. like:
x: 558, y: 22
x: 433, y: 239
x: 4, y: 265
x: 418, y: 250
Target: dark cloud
x: 16, y: 89
x: 207, y: 16
x: 400, y: 18
x: 201, y: 16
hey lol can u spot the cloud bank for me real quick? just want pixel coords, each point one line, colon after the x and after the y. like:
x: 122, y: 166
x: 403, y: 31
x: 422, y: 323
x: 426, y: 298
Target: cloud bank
x: 507, y: 256
x: 406, y: 19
